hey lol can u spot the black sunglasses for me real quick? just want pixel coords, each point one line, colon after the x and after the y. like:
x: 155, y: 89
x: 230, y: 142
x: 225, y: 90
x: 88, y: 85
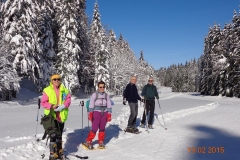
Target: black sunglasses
x: 150, y: 80
x: 58, y: 79
x: 102, y: 87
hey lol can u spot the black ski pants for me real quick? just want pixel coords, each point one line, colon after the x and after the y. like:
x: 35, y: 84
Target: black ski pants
x: 150, y: 108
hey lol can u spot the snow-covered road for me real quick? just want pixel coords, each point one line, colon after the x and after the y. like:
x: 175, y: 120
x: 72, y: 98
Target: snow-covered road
x: 197, y: 128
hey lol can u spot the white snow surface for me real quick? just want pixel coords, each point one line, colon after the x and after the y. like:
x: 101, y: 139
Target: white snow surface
x: 191, y: 120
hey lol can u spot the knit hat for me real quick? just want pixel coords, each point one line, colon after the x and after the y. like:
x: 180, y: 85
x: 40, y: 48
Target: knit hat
x: 55, y: 76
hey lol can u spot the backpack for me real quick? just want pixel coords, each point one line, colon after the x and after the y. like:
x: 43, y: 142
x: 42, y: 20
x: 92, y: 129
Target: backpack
x: 88, y: 101
x: 49, y: 126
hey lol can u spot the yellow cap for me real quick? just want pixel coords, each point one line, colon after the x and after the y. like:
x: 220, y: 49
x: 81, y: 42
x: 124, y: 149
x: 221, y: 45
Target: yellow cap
x: 55, y: 76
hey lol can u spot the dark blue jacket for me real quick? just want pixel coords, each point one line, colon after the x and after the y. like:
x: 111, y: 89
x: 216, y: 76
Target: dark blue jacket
x: 131, y: 93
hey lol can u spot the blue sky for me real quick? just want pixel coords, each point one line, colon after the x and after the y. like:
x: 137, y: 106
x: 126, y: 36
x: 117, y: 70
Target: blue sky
x: 168, y: 31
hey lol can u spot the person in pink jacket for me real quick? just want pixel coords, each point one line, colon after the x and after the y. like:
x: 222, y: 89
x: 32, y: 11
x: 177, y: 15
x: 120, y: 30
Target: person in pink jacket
x: 100, y: 111
x: 57, y: 97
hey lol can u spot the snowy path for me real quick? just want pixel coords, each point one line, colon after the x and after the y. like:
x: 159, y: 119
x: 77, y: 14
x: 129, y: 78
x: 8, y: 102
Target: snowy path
x: 192, y: 121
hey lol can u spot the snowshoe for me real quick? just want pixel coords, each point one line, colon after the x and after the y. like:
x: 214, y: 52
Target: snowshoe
x: 60, y: 150
x: 101, y: 146
x: 53, y: 151
x: 88, y: 146
x: 150, y: 127
x: 132, y: 130
x: 53, y: 156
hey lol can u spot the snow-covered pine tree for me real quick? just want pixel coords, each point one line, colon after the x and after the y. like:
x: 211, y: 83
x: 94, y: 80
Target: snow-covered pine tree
x: 226, y: 43
x: 141, y: 59
x: 97, y: 37
x: 216, y: 55
x: 9, y: 80
x: 111, y: 44
x: 20, y: 32
x: 233, y: 69
x: 85, y: 73
x: 67, y: 63
x: 131, y: 65
x: 1, y: 18
x: 46, y: 41
x: 143, y: 70
x: 160, y: 74
x: 206, y: 75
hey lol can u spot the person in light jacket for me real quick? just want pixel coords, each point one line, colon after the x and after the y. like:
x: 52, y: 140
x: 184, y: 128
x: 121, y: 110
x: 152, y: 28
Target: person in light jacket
x: 100, y: 112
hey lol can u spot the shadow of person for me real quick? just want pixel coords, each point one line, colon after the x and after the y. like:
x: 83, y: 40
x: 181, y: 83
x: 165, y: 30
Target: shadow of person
x: 112, y: 131
x: 74, y: 139
x: 212, y: 140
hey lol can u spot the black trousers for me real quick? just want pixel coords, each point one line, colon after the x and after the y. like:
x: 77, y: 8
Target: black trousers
x: 60, y: 126
x: 150, y: 108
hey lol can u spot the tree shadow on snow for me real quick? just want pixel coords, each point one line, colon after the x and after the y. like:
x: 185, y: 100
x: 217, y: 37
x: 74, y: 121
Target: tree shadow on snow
x: 196, y: 94
x: 214, y: 139
x: 75, y: 138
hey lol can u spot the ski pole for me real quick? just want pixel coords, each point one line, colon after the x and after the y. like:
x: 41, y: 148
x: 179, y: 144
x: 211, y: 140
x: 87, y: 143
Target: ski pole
x: 39, y: 101
x: 162, y: 115
x: 87, y: 118
x: 82, y: 104
x: 88, y: 124
x: 146, y: 115
x: 158, y: 120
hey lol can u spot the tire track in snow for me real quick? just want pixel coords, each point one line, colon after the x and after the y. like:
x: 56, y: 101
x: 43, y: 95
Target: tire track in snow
x: 185, y: 112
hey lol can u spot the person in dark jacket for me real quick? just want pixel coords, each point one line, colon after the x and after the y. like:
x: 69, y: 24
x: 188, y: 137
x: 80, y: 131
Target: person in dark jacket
x: 131, y: 95
x: 149, y: 93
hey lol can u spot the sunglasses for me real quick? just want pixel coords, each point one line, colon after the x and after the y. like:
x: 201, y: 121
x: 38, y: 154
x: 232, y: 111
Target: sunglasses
x: 102, y: 87
x: 57, y: 79
x: 150, y: 80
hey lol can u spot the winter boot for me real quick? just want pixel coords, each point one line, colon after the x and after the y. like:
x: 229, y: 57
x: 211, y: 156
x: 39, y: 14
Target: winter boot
x: 150, y: 126
x: 142, y: 125
x: 88, y: 144
x: 101, y: 136
x: 129, y: 129
x: 53, y: 151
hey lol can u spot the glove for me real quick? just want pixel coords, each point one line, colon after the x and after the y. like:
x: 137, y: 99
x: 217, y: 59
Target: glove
x: 143, y: 100
x: 90, y: 116
x: 109, y: 117
x: 61, y: 107
x: 157, y: 98
x: 124, y: 101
